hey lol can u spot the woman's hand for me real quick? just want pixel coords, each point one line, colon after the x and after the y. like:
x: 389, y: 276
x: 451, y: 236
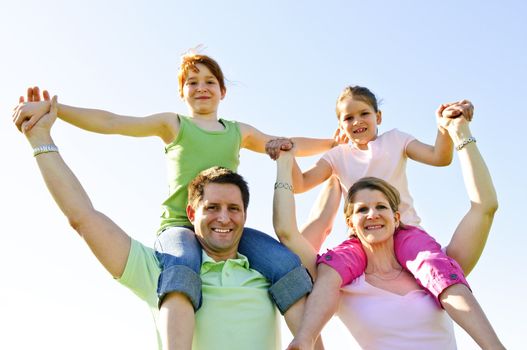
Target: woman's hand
x: 453, y: 110
x: 454, y: 118
x: 300, y: 344
x: 275, y: 146
x: 463, y: 108
x: 458, y: 128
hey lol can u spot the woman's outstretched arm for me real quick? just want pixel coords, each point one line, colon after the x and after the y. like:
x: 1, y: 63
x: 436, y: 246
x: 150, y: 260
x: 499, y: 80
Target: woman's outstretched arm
x: 471, y: 234
x: 284, y: 215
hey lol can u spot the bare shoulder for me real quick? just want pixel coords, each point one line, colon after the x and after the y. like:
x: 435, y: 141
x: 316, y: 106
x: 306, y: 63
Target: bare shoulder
x: 166, y: 124
x: 245, y: 129
x: 252, y: 138
x: 170, y: 119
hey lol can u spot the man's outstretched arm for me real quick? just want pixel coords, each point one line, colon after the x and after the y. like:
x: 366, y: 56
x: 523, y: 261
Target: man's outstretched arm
x: 108, y: 242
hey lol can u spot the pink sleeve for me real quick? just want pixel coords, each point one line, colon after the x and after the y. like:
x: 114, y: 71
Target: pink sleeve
x: 348, y: 259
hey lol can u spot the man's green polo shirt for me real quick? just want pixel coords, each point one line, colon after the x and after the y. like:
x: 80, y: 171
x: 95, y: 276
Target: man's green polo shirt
x: 236, y: 313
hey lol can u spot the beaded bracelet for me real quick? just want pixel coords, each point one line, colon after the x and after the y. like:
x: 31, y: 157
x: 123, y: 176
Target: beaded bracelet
x: 285, y: 185
x: 465, y: 142
x: 44, y: 149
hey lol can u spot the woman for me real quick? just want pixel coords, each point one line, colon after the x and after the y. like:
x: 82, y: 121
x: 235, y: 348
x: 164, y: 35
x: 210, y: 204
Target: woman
x: 385, y: 308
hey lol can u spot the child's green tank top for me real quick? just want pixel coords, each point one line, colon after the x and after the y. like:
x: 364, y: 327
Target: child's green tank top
x: 194, y: 150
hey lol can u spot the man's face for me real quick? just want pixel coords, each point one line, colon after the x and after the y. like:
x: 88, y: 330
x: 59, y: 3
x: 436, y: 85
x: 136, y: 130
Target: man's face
x: 218, y: 220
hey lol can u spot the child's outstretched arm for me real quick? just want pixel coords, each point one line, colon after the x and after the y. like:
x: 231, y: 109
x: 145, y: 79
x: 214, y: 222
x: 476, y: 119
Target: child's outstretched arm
x: 255, y: 140
x: 304, y: 181
x: 441, y: 153
x: 322, y: 215
x: 108, y: 242
x: 301, y: 181
x: 163, y: 125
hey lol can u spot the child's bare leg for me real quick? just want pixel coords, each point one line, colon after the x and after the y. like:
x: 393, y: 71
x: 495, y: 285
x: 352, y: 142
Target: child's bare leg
x: 323, y: 213
x: 464, y: 309
x: 176, y: 316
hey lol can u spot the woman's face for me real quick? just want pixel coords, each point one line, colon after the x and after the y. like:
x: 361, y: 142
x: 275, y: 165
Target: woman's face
x: 372, y: 218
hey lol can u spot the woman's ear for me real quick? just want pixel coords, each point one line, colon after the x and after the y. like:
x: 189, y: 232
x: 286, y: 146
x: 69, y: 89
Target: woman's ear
x: 349, y: 223
x: 397, y: 218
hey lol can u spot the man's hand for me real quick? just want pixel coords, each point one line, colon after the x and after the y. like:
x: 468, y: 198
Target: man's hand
x: 43, y: 127
x: 28, y: 113
x: 33, y: 94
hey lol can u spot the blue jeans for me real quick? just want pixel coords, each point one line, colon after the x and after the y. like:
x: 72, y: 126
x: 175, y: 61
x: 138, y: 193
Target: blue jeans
x: 179, y: 253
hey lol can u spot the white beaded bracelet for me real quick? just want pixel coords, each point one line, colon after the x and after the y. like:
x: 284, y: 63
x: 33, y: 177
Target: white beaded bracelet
x: 465, y: 142
x: 44, y: 149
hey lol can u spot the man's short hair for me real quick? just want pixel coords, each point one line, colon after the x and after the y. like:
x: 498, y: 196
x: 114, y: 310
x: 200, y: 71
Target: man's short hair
x: 216, y: 175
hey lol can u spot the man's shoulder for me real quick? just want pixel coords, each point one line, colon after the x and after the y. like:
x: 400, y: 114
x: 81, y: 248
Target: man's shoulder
x: 141, y: 272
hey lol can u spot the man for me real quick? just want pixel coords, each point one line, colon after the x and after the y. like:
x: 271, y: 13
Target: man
x: 237, y: 312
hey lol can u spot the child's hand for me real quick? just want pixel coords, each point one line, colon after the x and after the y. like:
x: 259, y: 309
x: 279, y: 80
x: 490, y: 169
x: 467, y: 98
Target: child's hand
x: 463, y: 108
x: 450, y: 125
x: 340, y: 137
x: 275, y: 146
x: 28, y: 113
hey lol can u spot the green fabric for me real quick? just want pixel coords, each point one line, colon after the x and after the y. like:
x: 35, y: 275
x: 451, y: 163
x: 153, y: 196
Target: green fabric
x: 236, y: 313
x: 194, y: 150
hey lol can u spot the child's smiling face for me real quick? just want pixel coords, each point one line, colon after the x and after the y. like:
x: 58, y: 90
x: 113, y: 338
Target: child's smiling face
x: 358, y: 120
x: 201, y: 91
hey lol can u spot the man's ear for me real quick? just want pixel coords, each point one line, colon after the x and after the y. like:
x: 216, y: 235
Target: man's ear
x: 191, y: 213
x: 379, y: 118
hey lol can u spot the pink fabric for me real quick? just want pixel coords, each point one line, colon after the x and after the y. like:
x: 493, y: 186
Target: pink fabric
x: 425, y: 259
x: 381, y: 320
x: 385, y: 158
x: 348, y: 259
x: 415, y: 250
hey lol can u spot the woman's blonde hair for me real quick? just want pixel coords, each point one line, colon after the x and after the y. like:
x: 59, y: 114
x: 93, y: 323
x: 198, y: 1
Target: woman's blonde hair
x: 372, y: 183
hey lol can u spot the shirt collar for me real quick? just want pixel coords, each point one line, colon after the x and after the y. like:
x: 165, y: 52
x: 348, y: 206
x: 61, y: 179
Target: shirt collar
x: 208, y: 263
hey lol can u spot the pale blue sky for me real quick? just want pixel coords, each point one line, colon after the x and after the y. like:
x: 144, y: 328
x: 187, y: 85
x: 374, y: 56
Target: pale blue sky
x: 286, y: 63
